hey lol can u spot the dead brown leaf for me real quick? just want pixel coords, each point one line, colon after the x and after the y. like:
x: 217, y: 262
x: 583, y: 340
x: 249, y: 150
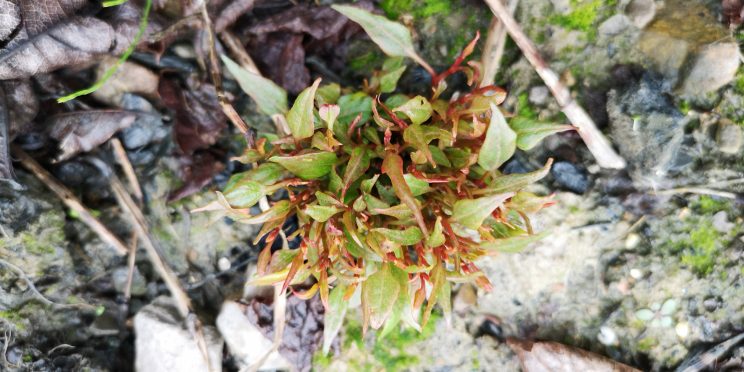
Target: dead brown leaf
x: 197, y: 172
x: 231, y: 12
x: 552, y: 356
x: 83, y: 131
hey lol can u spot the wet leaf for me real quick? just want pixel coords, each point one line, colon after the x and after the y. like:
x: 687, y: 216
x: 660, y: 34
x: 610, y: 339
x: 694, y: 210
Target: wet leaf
x: 417, y: 109
x: 355, y: 168
x: 552, y: 356
x: 515, y: 182
x: 472, y: 212
x: 393, y: 167
x: 300, y: 117
x: 84, y: 131
x: 409, y: 236
x: 500, y: 142
x: 392, y: 37
x: 530, y: 132
x: 270, y: 98
x: 321, y: 213
x: 244, y: 194
x: 379, y: 292
x: 334, y: 316
x: 307, y: 166
x: 514, y: 244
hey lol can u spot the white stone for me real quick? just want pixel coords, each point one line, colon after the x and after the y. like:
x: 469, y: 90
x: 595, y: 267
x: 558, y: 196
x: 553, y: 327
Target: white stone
x: 607, y: 336
x: 713, y: 67
x: 163, y: 344
x: 641, y: 12
x: 245, y: 341
x: 632, y: 241
x: 682, y: 330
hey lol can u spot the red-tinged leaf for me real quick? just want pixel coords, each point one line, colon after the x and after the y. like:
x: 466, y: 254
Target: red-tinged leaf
x: 282, y: 258
x: 321, y: 213
x: 323, y: 287
x: 438, y: 280
x: 306, y: 295
x: 436, y: 238
x: 409, y: 236
x: 263, y: 260
x: 277, y: 211
x: 355, y: 168
x: 417, y: 109
x: 400, y: 211
x: 528, y: 202
x: 500, y: 142
x: 472, y: 212
x: 297, y: 262
x: 380, y: 291
x: 300, y: 117
x: 514, y: 182
x: 393, y: 167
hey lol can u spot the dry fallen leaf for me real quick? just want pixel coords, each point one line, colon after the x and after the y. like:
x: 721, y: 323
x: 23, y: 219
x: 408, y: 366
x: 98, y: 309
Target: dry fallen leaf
x: 555, y: 357
x: 83, y: 131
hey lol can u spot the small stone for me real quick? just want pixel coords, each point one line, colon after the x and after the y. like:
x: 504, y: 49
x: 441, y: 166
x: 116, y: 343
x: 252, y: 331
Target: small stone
x: 539, y: 95
x: 636, y: 274
x: 245, y: 341
x: 641, y: 12
x: 614, y: 25
x: 714, y: 67
x: 607, y: 336
x: 721, y: 222
x: 162, y: 344
x: 711, y: 304
x: 729, y: 138
x: 570, y: 177
x: 120, y: 276
x: 632, y: 241
x: 223, y: 264
x: 682, y: 330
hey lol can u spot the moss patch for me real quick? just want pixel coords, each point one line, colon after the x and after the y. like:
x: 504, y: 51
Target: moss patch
x: 417, y: 8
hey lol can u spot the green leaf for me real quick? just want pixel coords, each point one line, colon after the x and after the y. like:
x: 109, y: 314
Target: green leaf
x: 392, y: 37
x: 436, y: 238
x: 471, y: 212
x: 355, y: 168
x: 328, y: 94
x: 530, y: 132
x: 528, y: 202
x: 353, y: 105
x: 417, y: 186
x: 439, y: 156
x: 389, y: 79
x: 460, y: 158
x: 500, y: 142
x: 512, y: 244
x: 515, y: 182
x: 321, y: 213
x: 400, y: 211
x: 277, y: 211
x: 270, y: 98
x: 265, y: 174
x: 393, y: 167
x: 419, y: 137
x: 437, y: 277
x: 327, y: 199
x: 418, y: 109
x: 334, y: 316
x: 307, y: 166
x: 409, y: 236
x: 300, y: 118
x: 368, y: 184
x: 379, y: 293
x: 244, y: 194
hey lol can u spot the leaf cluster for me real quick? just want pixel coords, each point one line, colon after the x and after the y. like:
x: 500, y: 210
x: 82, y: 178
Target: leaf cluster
x: 397, y: 196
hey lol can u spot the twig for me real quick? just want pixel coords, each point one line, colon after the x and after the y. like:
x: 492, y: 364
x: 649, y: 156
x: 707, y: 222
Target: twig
x: 36, y: 292
x: 598, y: 145
x: 69, y: 199
x: 7, y: 339
x: 493, y: 49
x: 214, y: 67
x: 236, y: 49
x: 698, y: 190
x: 131, y: 259
x: 126, y: 165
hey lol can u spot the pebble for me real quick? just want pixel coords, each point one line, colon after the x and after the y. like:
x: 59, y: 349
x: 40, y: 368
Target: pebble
x: 614, y: 25
x: 729, y: 138
x: 539, y: 95
x: 223, y: 264
x: 569, y: 176
x: 682, y: 330
x: 632, y: 241
x: 714, y: 67
x: 636, y: 274
x: 721, y: 222
x: 641, y: 12
x: 607, y: 336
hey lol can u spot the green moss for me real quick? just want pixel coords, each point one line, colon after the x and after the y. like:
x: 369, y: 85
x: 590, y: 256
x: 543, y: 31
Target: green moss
x: 584, y: 16
x: 708, y: 205
x: 418, y: 8
x: 704, y: 249
x: 524, y: 109
x: 646, y: 344
x: 15, y: 318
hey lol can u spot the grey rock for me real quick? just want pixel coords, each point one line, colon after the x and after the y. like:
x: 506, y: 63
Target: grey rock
x: 163, y: 344
x: 569, y: 176
x: 666, y: 54
x: 147, y: 128
x: 721, y: 222
x: 614, y: 25
x: 713, y: 67
x: 245, y: 341
x: 120, y: 276
x: 648, y: 131
x: 729, y: 138
x: 641, y: 12
x: 539, y: 95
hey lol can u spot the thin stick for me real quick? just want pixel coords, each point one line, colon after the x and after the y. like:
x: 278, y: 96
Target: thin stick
x: 131, y: 259
x: 236, y: 49
x: 493, y: 49
x: 36, y: 292
x: 126, y: 165
x: 69, y: 199
x: 698, y: 190
x: 214, y: 67
x: 598, y: 145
